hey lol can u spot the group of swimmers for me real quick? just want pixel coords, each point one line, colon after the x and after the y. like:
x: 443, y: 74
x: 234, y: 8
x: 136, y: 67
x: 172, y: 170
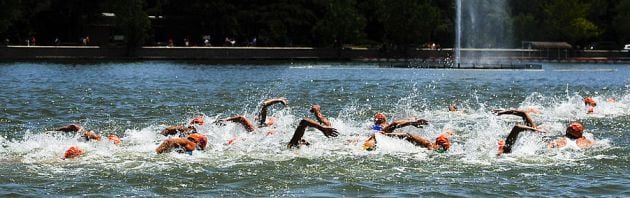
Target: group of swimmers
x: 189, y: 139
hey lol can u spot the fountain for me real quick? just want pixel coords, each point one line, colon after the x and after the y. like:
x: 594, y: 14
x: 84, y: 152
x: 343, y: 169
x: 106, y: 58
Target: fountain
x: 482, y: 30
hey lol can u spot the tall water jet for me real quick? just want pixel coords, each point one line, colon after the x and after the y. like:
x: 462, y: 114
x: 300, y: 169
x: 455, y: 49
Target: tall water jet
x: 458, y: 31
x: 481, y: 24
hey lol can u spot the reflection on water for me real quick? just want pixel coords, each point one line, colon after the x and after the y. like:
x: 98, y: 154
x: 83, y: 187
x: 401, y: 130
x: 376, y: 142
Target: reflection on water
x: 137, y: 100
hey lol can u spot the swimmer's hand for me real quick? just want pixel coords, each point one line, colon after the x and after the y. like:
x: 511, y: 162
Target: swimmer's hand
x: 329, y: 131
x: 496, y: 111
x: 172, y: 130
x: 220, y: 122
x: 315, y: 108
x: 419, y: 123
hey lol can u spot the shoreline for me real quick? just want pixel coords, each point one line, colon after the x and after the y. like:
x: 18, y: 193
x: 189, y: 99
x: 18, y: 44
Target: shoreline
x: 283, y: 54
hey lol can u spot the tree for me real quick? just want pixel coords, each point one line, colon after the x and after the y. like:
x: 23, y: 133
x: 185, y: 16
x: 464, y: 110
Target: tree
x: 9, y: 12
x: 408, y: 21
x: 288, y: 22
x: 621, y: 22
x: 566, y: 20
x: 131, y: 20
x: 342, y: 24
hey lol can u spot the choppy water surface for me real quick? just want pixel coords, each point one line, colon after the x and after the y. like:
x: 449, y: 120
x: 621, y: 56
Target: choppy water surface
x: 137, y: 100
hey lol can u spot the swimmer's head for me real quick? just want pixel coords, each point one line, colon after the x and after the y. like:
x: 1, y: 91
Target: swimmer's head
x: 452, y: 107
x: 590, y: 101
x: 114, y: 139
x: 73, y: 152
x: 197, y: 120
x: 379, y: 118
x: 574, y: 130
x: 200, y: 139
x: 443, y: 141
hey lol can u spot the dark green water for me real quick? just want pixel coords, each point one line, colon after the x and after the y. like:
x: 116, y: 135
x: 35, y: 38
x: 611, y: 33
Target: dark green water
x: 137, y: 100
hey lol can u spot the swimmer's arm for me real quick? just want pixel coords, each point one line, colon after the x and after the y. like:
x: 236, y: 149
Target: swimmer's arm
x: 71, y: 128
x: 89, y: 135
x: 299, y: 131
x: 511, y: 138
x: 370, y: 143
x: 585, y: 143
x: 249, y: 126
x: 526, y: 118
x: 316, y: 110
x: 169, y: 144
x: 417, y: 140
x: 262, y: 115
x: 558, y: 143
x: 172, y: 130
x: 403, y: 123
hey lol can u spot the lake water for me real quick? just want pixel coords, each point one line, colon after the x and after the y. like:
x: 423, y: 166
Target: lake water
x: 136, y: 100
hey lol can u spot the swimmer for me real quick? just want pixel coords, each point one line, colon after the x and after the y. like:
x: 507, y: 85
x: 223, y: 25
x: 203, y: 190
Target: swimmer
x: 89, y: 135
x: 590, y: 104
x: 572, y: 136
x: 262, y: 119
x: 72, y: 152
x: 75, y: 151
x: 452, y: 107
x: 442, y: 142
x: 194, y: 141
x: 184, y: 130
x: 381, y: 126
x: 324, y: 126
x: 262, y: 115
x: 505, y: 146
x: 380, y: 122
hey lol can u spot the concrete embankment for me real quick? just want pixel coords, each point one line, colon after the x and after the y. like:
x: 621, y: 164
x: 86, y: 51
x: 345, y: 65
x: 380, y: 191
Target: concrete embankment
x: 17, y: 53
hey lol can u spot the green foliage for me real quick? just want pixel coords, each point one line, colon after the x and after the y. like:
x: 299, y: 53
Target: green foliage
x: 408, y: 21
x: 566, y: 20
x: 621, y: 22
x: 342, y: 24
x: 9, y: 12
x: 398, y: 23
x: 131, y: 20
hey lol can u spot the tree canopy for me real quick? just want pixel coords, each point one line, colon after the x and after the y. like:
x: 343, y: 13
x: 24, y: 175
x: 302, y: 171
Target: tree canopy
x: 324, y: 23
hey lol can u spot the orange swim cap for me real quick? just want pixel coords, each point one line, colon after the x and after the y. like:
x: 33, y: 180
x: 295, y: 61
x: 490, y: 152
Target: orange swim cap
x: 197, y: 120
x: 380, y: 116
x: 590, y: 101
x: 442, y: 140
x: 270, y: 121
x: 574, y: 130
x: 114, y: 139
x: 73, y: 152
x: 200, y: 139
